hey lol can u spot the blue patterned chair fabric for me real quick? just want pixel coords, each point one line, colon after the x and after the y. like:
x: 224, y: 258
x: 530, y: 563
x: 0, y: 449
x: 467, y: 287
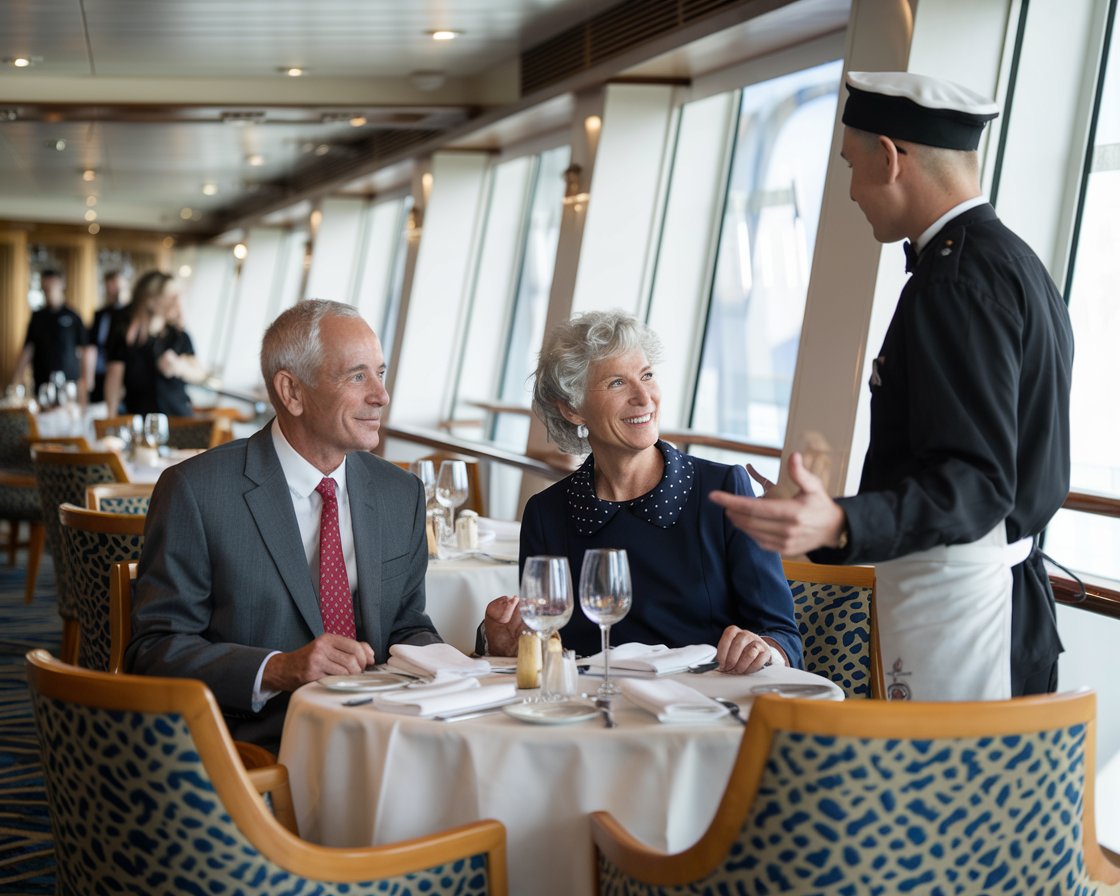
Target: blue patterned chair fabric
x: 131, y: 504
x: 176, y: 837
x: 89, y: 556
x: 835, y: 625
x: 60, y: 484
x: 892, y: 815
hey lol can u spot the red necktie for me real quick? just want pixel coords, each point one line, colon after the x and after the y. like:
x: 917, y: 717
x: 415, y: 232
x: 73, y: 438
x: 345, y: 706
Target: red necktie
x: 335, y: 602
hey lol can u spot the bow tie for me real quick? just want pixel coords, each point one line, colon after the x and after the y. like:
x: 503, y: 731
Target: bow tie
x: 911, y: 256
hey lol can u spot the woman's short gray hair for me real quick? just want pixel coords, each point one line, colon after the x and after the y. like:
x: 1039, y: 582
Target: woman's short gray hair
x: 569, y: 350
x: 292, y: 341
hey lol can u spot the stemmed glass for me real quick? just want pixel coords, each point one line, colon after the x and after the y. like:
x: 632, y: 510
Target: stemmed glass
x: 605, y: 595
x: 47, y: 395
x: 546, y: 605
x: 156, y: 431
x: 425, y: 471
x: 451, y: 487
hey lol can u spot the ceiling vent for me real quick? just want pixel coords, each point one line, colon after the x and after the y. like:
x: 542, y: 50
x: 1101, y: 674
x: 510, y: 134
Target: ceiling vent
x: 610, y: 33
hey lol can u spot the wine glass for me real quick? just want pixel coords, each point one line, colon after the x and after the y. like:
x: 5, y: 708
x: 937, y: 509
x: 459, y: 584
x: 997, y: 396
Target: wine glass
x: 605, y: 595
x: 451, y: 487
x: 546, y: 605
x: 425, y: 471
x: 47, y: 395
x: 156, y: 430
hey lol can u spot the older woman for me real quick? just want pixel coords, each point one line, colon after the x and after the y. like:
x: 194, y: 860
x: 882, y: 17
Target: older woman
x: 696, y: 578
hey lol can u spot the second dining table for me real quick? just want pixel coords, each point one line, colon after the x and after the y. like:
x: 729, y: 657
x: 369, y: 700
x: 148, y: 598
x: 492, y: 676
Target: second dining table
x: 362, y: 776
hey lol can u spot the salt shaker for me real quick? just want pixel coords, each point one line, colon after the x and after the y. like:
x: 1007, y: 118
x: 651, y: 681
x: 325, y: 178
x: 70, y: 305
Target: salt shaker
x: 466, y: 531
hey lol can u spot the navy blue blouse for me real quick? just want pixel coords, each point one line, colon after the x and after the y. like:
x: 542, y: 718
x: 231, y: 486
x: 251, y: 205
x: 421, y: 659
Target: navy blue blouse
x: 693, y: 573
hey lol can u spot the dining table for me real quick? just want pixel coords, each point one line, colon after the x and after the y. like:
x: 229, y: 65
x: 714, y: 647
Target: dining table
x: 361, y: 775
x: 459, y: 588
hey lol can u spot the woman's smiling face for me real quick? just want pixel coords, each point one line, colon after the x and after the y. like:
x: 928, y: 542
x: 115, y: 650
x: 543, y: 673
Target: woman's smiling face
x: 622, y: 403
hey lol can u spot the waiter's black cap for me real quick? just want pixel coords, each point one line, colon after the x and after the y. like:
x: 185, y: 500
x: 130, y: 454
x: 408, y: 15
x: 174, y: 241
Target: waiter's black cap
x: 917, y: 108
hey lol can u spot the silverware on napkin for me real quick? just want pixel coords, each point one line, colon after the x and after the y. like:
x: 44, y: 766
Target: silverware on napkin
x: 732, y: 707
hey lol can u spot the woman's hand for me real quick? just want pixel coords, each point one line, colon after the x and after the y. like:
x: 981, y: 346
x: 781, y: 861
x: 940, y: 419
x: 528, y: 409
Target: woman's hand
x: 502, y: 625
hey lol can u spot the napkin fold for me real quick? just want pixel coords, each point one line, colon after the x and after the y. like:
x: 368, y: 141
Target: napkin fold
x: 434, y: 659
x: 424, y: 702
x: 652, y: 659
x: 504, y: 530
x: 671, y: 701
x: 439, y: 687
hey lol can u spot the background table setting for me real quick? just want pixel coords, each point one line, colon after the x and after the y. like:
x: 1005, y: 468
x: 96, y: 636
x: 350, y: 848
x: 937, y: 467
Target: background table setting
x: 439, y: 740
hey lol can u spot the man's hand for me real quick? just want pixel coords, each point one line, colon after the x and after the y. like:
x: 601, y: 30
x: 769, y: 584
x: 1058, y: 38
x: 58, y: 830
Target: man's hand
x: 326, y: 655
x: 790, y: 526
x: 502, y: 625
x: 740, y: 652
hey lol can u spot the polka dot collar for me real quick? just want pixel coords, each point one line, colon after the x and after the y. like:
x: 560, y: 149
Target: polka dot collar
x: 660, y: 506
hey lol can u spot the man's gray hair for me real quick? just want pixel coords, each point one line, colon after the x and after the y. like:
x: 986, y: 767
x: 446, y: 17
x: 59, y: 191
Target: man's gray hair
x: 569, y: 350
x: 292, y: 342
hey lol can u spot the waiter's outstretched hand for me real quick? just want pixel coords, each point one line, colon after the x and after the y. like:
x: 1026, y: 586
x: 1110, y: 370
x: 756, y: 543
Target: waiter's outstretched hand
x: 790, y: 526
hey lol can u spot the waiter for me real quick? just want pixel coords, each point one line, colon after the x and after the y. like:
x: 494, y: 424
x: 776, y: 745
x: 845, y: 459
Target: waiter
x: 969, y: 449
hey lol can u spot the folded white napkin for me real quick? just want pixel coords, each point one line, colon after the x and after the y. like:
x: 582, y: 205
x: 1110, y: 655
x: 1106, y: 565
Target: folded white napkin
x: 672, y: 701
x: 504, y: 530
x: 652, y: 659
x: 433, y: 659
x: 437, y: 688
x: 418, y: 702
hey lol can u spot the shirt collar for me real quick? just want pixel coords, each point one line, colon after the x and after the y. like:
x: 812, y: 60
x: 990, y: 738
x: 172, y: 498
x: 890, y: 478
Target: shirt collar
x: 303, y: 477
x: 661, y: 506
x: 930, y: 232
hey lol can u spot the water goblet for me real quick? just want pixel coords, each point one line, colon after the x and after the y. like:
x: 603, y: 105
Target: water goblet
x: 546, y: 604
x: 425, y: 471
x: 156, y: 430
x: 47, y: 395
x: 605, y: 596
x: 451, y: 487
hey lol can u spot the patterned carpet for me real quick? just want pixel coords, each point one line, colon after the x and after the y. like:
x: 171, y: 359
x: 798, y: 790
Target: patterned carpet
x: 26, y: 857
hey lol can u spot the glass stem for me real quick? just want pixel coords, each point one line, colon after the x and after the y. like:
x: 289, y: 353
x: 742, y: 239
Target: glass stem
x: 606, y: 633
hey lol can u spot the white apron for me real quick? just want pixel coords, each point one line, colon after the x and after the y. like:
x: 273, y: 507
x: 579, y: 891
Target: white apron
x: 944, y: 620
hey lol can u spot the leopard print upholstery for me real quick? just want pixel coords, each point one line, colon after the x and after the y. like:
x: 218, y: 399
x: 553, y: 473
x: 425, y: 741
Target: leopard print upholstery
x: 18, y: 502
x: 846, y: 815
x: 58, y: 484
x: 89, y: 557
x: 134, y: 810
x: 135, y: 504
x: 191, y: 434
x: 835, y: 626
x: 15, y: 447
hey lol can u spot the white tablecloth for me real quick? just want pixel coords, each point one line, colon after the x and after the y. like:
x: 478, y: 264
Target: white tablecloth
x: 360, y: 776
x: 458, y: 592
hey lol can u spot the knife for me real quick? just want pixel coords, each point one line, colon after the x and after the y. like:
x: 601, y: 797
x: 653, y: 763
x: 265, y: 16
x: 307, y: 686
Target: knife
x: 474, y: 713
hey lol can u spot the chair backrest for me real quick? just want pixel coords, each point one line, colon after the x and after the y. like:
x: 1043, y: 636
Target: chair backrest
x: 197, y: 432
x: 146, y: 792
x: 94, y: 541
x: 102, y: 425
x: 834, y: 609
x: 17, y: 430
x: 120, y: 497
x: 63, y: 477
x: 873, y: 796
x: 121, y: 576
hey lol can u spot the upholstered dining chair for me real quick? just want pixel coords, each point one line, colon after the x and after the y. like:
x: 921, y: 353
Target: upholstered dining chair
x: 146, y: 795
x: 200, y: 431
x: 63, y: 476
x: 17, y: 430
x: 835, y: 613
x: 19, y: 503
x: 874, y: 796
x: 120, y: 497
x: 93, y: 540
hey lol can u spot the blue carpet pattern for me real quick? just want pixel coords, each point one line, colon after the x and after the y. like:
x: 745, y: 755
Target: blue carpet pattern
x: 26, y: 856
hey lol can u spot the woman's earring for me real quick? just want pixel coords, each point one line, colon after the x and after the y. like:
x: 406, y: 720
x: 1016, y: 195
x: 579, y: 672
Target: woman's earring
x: 581, y: 431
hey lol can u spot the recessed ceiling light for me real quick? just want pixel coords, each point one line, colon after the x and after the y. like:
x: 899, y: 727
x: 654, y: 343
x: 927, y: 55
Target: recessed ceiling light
x: 322, y: 149
x: 57, y: 145
x: 9, y: 114
x: 91, y: 201
x: 95, y: 228
x: 22, y: 61
x: 357, y: 121
x: 209, y: 189
x: 292, y: 71
x: 445, y: 34
x: 91, y: 215
x: 240, y: 251
x: 89, y: 174
x: 185, y: 213
x: 256, y: 159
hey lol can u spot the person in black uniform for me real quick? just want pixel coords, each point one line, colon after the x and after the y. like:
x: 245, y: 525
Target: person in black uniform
x: 105, y: 321
x: 969, y: 446
x: 55, y: 336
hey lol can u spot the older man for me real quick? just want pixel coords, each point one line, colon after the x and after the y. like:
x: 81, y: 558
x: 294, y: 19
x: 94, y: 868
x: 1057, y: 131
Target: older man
x: 295, y: 554
x: 969, y: 450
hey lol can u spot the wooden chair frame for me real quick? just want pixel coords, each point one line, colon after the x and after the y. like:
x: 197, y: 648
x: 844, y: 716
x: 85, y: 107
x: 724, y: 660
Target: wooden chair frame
x: 36, y: 534
x: 856, y: 718
x: 857, y: 577
x: 274, y: 836
x: 95, y: 493
x: 220, y: 431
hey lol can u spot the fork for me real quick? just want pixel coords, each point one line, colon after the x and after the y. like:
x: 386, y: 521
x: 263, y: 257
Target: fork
x: 604, y: 706
x: 732, y: 707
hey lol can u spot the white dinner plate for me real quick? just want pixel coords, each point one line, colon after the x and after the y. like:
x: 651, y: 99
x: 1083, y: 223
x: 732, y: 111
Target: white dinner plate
x: 369, y: 681
x: 551, y: 713
x: 794, y: 690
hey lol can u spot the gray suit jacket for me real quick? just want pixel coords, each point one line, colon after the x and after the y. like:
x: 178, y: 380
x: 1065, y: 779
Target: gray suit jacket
x: 223, y: 579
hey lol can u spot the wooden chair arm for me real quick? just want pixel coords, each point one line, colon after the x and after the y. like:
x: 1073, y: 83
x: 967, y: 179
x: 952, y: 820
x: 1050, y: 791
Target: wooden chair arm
x: 273, y: 780
x: 253, y: 756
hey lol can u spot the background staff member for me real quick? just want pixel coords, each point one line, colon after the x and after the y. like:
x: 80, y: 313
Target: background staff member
x: 969, y: 447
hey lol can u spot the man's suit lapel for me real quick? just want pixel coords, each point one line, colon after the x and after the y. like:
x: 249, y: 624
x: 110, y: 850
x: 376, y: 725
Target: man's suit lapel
x: 270, y: 502
x: 366, y: 516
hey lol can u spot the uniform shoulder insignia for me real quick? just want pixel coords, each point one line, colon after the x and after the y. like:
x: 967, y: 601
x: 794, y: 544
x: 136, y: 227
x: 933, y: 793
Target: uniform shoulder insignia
x: 946, y: 251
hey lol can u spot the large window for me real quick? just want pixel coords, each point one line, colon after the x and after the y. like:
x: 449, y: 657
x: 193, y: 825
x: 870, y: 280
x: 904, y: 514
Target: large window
x: 765, y: 249
x: 1092, y: 543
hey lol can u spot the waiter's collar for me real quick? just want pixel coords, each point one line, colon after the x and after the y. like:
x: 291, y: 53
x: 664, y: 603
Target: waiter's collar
x: 661, y: 506
x: 959, y: 209
x: 303, y: 477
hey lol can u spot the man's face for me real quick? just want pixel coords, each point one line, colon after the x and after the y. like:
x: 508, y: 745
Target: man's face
x: 52, y: 291
x: 341, y: 411
x: 871, y: 187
